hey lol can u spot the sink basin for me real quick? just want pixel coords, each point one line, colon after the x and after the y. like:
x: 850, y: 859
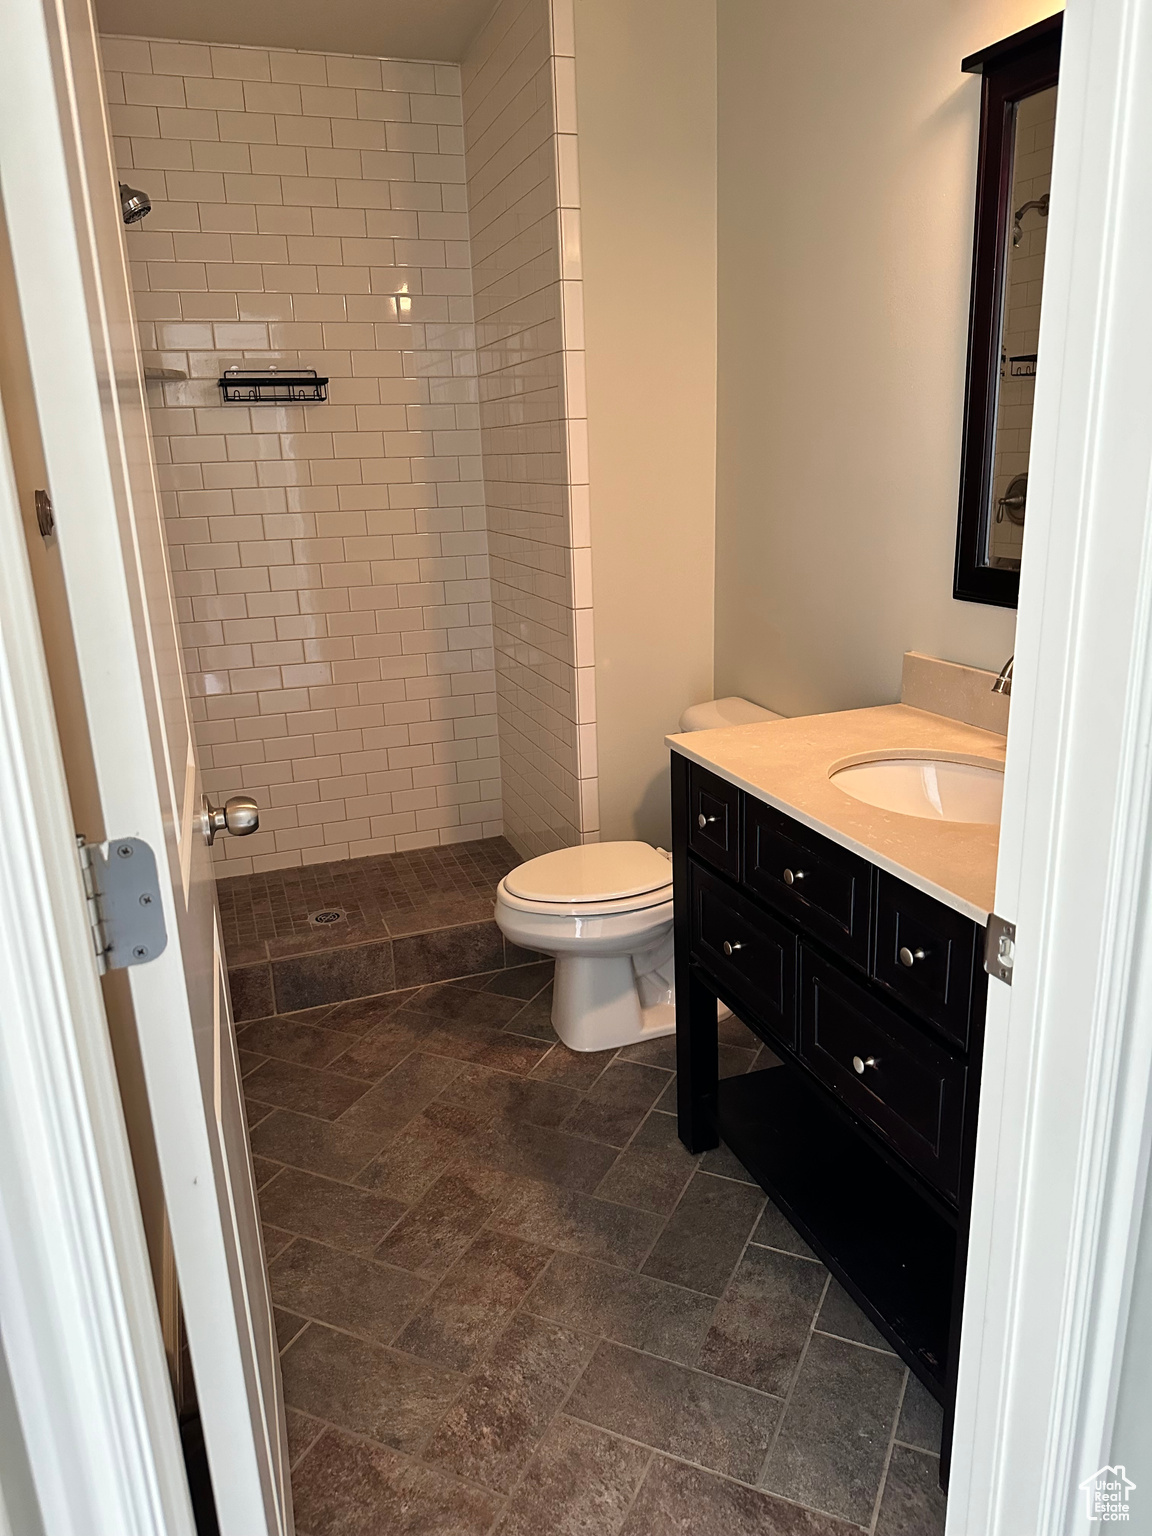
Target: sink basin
x: 932, y: 787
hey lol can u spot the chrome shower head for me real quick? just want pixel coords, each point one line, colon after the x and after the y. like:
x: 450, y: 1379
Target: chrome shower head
x: 134, y: 205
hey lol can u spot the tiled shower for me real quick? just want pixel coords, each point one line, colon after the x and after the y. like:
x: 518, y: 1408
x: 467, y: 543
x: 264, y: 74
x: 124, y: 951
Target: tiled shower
x: 385, y: 598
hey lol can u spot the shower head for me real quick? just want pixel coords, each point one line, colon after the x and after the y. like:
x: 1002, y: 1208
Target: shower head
x: 133, y: 204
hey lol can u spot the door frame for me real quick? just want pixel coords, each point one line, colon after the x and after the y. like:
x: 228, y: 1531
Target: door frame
x: 1065, y: 1116
x: 1062, y: 1157
x: 78, y: 1315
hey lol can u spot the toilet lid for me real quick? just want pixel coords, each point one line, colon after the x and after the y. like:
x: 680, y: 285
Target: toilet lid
x: 592, y: 872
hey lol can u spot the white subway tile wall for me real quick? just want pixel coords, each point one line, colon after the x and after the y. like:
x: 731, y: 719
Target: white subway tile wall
x: 523, y: 196
x: 330, y: 561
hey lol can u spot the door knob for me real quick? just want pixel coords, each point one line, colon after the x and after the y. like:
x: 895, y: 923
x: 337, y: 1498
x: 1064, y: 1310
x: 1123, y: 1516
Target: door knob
x: 239, y: 816
x: 792, y: 875
x: 859, y: 1063
x: 703, y: 821
x: 730, y: 948
x: 908, y: 957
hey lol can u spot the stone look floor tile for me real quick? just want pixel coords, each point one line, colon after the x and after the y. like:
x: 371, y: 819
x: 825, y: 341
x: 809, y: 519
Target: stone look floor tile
x: 913, y: 1502
x: 774, y: 1230
x: 578, y: 1223
x: 402, y: 1094
x: 623, y: 1306
x: 416, y: 1155
x: 382, y: 1048
x: 617, y: 1102
x: 580, y: 1482
x: 572, y: 1069
x: 535, y: 1018
x: 441, y: 1225
x: 344, y: 1487
x: 706, y: 1234
x: 834, y: 1437
x: 290, y: 1040
x: 717, y: 1423
x: 763, y: 1320
x: 842, y: 1317
x: 317, y: 1146
x: 454, y: 1002
x: 675, y: 1500
x: 288, y: 1327
x: 355, y: 1294
x: 284, y: 1085
x: 471, y: 1306
x: 490, y: 1433
x: 510, y: 1052
x: 523, y: 981
x: 652, y: 1171
x: 303, y: 1433
x: 489, y: 1091
x: 921, y: 1418
x: 540, y: 1152
x: 366, y: 1388
x: 723, y: 1161
x: 355, y: 1219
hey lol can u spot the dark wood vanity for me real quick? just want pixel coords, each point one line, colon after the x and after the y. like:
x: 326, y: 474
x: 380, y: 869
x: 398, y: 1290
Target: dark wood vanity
x: 872, y: 995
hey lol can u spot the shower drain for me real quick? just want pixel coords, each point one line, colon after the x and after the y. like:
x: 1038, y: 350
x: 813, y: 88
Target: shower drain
x: 327, y: 917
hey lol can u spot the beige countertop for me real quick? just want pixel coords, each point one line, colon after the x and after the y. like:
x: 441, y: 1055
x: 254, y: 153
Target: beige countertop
x: 786, y: 763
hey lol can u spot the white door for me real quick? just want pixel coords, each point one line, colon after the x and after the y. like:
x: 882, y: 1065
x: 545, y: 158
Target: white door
x: 62, y: 207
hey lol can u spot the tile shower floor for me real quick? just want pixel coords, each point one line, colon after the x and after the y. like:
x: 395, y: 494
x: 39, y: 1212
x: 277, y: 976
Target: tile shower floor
x: 508, y: 1300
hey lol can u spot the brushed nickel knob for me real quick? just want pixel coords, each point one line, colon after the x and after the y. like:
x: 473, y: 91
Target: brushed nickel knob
x: 730, y: 948
x: 908, y: 957
x: 239, y: 816
x: 859, y: 1063
x: 703, y: 821
x: 792, y: 875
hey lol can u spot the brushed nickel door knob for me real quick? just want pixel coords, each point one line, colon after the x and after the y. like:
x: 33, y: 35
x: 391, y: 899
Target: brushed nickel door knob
x: 238, y: 816
x: 860, y: 1063
x: 792, y: 875
x: 703, y: 821
x: 730, y: 948
x: 908, y: 957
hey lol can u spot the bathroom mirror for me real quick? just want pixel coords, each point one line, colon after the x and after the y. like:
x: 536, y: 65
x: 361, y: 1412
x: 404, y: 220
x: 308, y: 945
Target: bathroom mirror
x: 1017, y: 117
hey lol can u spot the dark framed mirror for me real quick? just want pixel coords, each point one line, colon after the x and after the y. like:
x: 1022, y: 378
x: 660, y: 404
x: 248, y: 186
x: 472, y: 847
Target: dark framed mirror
x: 1017, y: 117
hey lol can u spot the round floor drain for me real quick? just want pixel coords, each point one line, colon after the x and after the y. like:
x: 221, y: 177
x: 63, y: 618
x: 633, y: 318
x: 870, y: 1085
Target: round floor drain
x: 326, y: 918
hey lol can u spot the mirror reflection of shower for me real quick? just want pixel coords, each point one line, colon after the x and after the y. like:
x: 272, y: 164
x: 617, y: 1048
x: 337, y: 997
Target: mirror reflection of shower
x: 134, y: 204
x: 1041, y: 206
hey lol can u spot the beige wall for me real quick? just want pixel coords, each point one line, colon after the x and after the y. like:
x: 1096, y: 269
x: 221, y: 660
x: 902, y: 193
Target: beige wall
x: 847, y: 149
x: 646, y: 104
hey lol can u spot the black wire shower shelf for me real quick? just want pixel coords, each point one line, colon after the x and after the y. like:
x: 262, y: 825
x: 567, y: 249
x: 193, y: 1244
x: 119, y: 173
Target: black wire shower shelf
x: 272, y: 386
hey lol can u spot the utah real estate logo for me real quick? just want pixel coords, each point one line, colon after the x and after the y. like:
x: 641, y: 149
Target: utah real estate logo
x: 1106, y: 1492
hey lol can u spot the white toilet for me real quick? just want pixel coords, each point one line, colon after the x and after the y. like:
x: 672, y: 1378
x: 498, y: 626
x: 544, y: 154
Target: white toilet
x: 605, y: 911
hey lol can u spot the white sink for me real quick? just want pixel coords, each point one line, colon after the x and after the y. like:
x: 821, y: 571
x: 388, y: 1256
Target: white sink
x: 933, y: 787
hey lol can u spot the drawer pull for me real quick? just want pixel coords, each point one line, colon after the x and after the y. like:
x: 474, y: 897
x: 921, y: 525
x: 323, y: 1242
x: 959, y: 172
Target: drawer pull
x: 703, y: 821
x: 792, y: 875
x: 859, y: 1063
x: 730, y: 948
x: 908, y: 957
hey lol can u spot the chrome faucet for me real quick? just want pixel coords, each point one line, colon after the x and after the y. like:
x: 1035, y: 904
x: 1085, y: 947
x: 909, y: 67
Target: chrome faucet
x: 1003, y: 683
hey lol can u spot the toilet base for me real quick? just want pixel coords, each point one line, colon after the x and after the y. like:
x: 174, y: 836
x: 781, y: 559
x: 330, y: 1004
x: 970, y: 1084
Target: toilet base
x: 595, y: 1006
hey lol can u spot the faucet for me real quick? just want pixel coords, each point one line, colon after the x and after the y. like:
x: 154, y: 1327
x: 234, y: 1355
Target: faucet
x: 1003, y: 683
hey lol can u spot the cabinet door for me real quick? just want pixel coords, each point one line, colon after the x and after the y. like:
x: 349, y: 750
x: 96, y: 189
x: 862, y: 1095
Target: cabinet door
x: 748, y: 952
x: 714, y: 820
x: 926, y: 955
x: 820, y: 885
x: 885, y: 1069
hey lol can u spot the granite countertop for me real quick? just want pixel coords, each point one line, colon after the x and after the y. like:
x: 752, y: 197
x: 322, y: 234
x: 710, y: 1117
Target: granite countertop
x: 786, y: 763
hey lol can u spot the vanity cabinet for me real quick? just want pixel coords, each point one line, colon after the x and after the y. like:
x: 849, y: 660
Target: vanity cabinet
x: 872, y: 996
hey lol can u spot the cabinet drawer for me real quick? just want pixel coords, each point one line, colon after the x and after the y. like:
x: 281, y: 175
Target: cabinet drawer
x: 751, y: 953
x: 714, y: 820
x: 926, y: 955
x: 818, y: 884
x: 885, y: 1070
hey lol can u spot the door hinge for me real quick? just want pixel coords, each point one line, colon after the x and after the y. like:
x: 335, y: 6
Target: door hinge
x: 1000, y: 948
x: 125, y: 913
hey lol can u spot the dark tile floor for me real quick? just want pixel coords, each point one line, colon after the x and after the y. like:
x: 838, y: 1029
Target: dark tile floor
x: 509, y: 1301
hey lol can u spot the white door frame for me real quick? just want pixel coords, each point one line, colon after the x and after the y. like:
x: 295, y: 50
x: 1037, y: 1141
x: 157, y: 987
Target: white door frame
x: 78, y: 1314
x: 1062, y: 1150
x: 1065, y: 1114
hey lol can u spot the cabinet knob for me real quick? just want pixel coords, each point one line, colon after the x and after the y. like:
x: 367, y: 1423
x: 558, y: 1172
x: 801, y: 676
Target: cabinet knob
x: 859, y: 1063
x: 908, y: 957
x: 730, y: 948
x: 703, y: 821
x: 792, y: 875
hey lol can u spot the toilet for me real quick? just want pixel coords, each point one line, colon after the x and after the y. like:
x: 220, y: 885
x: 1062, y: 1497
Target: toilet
x: 604, y: 910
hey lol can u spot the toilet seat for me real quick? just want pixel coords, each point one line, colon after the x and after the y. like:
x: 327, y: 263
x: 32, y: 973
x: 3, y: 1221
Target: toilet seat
x: 586, y: 909
x: 624, y: 872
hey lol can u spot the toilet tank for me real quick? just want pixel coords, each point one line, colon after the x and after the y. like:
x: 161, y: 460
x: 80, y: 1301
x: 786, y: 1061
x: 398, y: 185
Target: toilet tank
x: 718, y: 712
